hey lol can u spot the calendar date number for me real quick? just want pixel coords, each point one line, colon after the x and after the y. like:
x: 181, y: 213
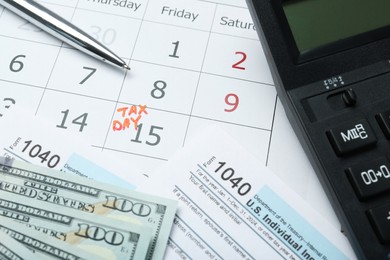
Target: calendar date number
x: 17, y: 64
x: 238, y: 65
x: 7, y: 103
x: 80, y: 120
x: 154, y: 136
x: 232, y: 101
x: 174, y: 54
x: 91, y: 71
x: 105, y: 35
x: 158, y: 91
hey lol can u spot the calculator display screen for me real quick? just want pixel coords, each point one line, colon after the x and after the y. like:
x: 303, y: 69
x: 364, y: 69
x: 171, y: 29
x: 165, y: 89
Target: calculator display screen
x: 315, y: 23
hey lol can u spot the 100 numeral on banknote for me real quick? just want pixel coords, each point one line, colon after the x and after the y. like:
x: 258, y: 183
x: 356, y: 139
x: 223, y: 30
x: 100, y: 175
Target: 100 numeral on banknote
x: 40, y: 185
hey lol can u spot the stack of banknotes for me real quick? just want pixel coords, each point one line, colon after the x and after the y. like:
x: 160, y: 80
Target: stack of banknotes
x: 48, y: 214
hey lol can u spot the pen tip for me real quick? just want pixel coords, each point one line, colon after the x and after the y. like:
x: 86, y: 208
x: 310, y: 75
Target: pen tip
x: 126, y: 67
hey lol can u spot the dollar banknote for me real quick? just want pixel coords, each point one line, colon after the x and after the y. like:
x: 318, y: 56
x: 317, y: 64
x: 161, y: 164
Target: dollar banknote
x: 105, y: 237
x: 37, y: 184
x: 10, y: 249
x: 20, y: 242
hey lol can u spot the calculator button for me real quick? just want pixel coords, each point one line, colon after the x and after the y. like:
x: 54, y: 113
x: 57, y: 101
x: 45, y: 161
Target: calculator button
x: 350, y: 137
x: 380, y: 220
x: 370, y: 178
x: 384, y: 122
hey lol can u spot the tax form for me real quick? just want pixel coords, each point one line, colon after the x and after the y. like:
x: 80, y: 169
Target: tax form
x: 232, y: 207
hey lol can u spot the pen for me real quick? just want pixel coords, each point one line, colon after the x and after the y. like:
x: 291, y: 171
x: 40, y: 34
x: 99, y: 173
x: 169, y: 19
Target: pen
x: 62, y: 29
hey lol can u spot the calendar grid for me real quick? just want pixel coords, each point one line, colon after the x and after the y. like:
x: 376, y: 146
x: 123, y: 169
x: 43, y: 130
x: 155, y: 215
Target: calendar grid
x: 232, y: 123
x: 44, y: 88
x: 31, y: 41
x: 200, y: 74
x: 222, y: 3
x: 168, y: 24
x: 241, y: 79
x: 123, y: 81
x: 188, y: 116
x: 51, y: 71
x: 132, y: 153
x: 151, y: 21
x: 162, y: 110
x: 57, y: 3
x: 20, y: 83
x: 271, y: 132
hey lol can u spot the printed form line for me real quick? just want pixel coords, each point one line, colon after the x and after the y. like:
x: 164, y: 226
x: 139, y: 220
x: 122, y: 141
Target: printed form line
x: 250, y: 213
x: 189, y: 227
x: 199, y: 208
x: 15, y: 155
x: 170, y: 240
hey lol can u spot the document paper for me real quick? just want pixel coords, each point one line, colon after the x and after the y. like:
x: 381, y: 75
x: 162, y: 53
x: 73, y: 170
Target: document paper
x: 192, y: 63
x: 232, y: 207
x: 45, y: 146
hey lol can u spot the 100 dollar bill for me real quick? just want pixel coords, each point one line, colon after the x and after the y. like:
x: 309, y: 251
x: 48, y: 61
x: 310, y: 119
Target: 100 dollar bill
x: 10, y: 249
x: 35, y: 183
x: 20, y: 242
x: 108, y: 238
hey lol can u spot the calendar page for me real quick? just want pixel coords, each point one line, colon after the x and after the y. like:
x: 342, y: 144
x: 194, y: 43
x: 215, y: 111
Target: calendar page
x: 192, y: 63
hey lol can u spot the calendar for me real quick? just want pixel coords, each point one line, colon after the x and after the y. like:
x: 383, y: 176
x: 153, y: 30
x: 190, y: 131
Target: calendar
x: 193, y: 63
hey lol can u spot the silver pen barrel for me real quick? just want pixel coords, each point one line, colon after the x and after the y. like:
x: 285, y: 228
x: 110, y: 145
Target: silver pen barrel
x: 62, y: 29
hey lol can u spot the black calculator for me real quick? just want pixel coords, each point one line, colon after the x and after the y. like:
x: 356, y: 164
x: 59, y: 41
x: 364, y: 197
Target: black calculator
x: 330, y: 61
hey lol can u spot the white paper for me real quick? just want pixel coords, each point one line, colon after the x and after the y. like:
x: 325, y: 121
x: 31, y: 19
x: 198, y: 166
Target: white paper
x: 232, y: 207
x: 29, y: 138
x: 188, y: 72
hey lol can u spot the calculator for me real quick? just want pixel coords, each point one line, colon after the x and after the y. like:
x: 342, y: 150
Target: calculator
x: 330, y: 61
